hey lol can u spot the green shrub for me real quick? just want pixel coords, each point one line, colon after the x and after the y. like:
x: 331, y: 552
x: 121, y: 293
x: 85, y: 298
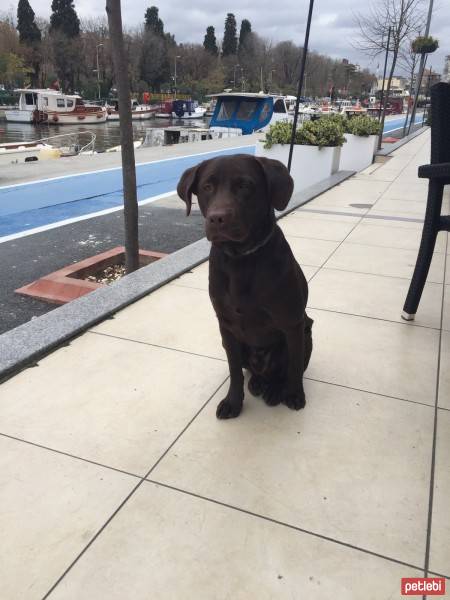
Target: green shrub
x: 323, y: 132
x: 362, y: 126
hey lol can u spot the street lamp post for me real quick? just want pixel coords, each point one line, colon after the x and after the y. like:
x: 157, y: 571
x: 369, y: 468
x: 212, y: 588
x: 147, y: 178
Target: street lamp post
x: 98, y: 72
x: 175, y: 76
x: 234, y: 75
x: 242, y: 80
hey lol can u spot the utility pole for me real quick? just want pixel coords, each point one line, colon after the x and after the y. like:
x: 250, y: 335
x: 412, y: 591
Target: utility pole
x: 421, y: 68
x: 175, y: 76
x: 384, y: 74
x: 300, y: 81
x: 98, y: 72
x: 130, y: 209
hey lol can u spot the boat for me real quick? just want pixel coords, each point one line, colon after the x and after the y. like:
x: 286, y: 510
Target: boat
x: 56, y: 146
x: 139, y: 112
x: 181, y: 109
x: 248, y: 112
x: 53, y: 107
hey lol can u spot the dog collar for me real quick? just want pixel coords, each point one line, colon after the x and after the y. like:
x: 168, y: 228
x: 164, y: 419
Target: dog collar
x: 254, y: 248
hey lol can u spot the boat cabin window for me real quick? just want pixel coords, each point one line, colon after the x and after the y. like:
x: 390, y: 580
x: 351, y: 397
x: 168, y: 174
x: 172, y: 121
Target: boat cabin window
x: 79, y: 102
x: 45, y: 99
x: 265, y: 111
x: 69, y: 103
x: 60, y: 103
x: 29, y: 99
x: 279, y: 106
x: 246, y: 109
x: 227, y: 108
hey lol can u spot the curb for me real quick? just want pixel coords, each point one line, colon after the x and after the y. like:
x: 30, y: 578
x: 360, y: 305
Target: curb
x: 391, y: 148
x: 23, y: 346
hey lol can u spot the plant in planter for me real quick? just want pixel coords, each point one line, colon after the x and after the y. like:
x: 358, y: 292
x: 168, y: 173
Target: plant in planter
x: 316, y: 151
x: 424, y: 44
x: 361, y: 133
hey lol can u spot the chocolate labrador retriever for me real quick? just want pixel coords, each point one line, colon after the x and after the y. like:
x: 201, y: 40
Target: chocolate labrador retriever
x: 256, y: 286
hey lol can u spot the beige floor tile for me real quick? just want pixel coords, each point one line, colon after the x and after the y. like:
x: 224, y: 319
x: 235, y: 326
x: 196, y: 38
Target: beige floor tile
x: 392, y: 221
x: 446, y: 313
x: 309, y: 212
x: 392, y: 262
x: 184, y: 321
x: 378, y: 235
x: 311, y: 252
x: 108, y: 400
x: 197, y: 278
x: 372, y: 296
x: 376, y: 356
x: 444, y: 371
x: 300, y: 226
x: 440, y: 529
x: 415, y: 210
x: 309, y: 272
x: 325, y: 469
x: 168, y: 545
x: 343, y: 207
x: 50, y: 508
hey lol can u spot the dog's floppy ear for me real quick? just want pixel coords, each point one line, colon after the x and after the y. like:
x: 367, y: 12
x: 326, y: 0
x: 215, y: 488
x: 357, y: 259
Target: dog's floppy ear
x: 279, y: 182
x: 187, y: 186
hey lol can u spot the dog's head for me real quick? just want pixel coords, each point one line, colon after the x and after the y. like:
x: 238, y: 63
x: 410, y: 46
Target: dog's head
x: 236, y: 194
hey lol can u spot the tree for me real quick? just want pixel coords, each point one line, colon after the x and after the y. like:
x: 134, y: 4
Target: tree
x: 246, y: 28
x: 64, y: 18
x: 229, y: 45
x: 28, y: 30
x: 210, y: 42
x: 403, y: 17
x: 152, y: 21
x: 154, y: 66
x: 131, y: 210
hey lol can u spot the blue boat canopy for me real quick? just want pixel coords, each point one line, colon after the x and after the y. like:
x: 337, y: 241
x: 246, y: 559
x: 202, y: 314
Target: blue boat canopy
x: 247, y: 112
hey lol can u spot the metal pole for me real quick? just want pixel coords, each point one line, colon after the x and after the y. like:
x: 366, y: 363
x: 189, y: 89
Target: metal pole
x: 98, y: 72
x: 384, y: 74
x: 300, y: 82
x: 175, y: 77
x: 421, y: 68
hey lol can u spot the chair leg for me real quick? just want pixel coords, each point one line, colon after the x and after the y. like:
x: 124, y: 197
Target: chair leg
x: 429, y: 234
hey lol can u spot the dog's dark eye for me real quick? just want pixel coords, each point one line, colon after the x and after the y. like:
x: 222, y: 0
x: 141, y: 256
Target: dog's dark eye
x: 243, y: 184
x: 207, y: 187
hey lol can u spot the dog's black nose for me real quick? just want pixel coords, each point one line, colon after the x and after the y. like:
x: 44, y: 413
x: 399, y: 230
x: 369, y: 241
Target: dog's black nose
x: 219, y: 218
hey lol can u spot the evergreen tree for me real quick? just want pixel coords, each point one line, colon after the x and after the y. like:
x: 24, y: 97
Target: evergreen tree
x: 210, y: 43
x: 246, y: 28
x: 28, y: 30
x: 64, y: 18
x: 152, y: 21
x: 229, y: 45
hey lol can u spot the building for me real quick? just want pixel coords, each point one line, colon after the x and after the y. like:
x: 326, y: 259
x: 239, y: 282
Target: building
x: 446, y: 71
x: 398, y: 85
x: 429, y: 78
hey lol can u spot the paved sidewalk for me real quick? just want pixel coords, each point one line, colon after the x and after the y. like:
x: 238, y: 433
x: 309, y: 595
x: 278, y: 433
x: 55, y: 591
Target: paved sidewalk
x: 118, y: 482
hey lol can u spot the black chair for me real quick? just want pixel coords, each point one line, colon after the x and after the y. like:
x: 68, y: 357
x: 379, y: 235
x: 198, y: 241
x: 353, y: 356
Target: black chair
x: 438, y: 174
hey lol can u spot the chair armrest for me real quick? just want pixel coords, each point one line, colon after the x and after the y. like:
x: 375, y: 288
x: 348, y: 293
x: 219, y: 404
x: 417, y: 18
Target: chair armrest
x: 435, y: 171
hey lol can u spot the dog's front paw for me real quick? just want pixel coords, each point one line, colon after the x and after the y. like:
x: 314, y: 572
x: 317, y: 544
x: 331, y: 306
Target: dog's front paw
x: 256, y: 385
x: 294, y: 400
x: 228, y: 410
x: 273, y: 393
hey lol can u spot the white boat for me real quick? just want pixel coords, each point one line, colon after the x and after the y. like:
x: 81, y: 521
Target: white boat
x: 54, y: 107
x: 248, y: 112
x: 139, y: 112
x: 17, y: 152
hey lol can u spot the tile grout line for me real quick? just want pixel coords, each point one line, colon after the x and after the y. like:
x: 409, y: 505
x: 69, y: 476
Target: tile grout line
x: 137, y: 486
x: 433, y: 447
x: 284, y: 524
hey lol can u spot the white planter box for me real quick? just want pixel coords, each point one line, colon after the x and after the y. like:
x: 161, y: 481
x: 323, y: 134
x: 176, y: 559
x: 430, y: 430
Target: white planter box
x: 310, y: 164
x: 357, y: 153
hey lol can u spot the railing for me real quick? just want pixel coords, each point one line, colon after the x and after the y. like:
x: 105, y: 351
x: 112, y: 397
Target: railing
x: 71, y: 144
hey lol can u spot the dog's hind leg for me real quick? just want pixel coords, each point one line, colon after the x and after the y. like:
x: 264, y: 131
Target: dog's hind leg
x: 308, y: 340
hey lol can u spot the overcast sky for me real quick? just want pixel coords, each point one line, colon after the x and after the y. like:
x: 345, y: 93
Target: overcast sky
x: 332, y: 31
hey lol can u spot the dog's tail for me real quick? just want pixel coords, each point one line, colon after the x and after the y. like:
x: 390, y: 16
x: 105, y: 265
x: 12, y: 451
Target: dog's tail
x: 308, y: 340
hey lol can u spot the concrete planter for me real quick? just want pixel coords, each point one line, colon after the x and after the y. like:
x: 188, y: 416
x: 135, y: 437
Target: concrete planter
x: 357, y: 153
x: 310, y: 164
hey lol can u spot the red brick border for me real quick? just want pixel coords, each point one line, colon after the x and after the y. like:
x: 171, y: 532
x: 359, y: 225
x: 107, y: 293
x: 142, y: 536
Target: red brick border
x: 69, y: 283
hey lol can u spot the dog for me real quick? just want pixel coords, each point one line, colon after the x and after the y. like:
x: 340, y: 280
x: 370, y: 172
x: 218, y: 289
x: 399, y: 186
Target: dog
x: 256, y: 286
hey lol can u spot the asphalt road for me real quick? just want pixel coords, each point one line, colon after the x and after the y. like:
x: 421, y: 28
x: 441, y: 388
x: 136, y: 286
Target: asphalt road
x: 163, y: 227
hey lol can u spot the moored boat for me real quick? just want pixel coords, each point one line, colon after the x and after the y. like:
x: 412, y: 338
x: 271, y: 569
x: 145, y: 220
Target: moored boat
x: 53, y: 107
x: 15, y: 152
x: 139, y: 112
x: 248, y: 112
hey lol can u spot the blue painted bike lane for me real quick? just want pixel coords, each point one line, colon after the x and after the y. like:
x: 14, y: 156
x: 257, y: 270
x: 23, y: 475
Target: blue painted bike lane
x: 33, y: 205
